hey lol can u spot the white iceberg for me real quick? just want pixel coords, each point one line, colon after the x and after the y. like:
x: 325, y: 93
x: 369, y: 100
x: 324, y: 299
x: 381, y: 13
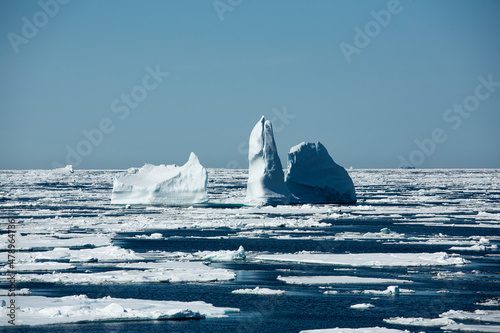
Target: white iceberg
x: 266, y: 185
x: 313, y: 177
x: 39, y: 310
x: 163, y: 184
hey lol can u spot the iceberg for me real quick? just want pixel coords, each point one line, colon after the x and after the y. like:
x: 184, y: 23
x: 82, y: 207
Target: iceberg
x: 266, y: 185
x: 163, y: 184
x: 313, y: 176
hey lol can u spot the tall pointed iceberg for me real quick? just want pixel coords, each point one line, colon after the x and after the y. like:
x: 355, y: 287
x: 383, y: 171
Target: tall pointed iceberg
x: 313, y: 176
x: 162, y: 184
x: 266, y: 184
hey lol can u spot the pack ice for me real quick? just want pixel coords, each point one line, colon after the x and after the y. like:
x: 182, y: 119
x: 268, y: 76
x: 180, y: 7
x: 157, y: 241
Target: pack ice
x: 313, y: 176
x: 163, y: 184
x: 266, y: 185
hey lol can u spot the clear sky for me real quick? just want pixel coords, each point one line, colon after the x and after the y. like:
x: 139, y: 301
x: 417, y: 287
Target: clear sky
x: 86, y: 81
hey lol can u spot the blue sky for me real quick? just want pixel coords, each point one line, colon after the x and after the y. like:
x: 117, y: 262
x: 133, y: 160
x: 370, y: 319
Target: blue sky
x: 230, y: 62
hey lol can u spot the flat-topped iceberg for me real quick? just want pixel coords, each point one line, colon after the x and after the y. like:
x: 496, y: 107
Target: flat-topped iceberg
x: 163, y: 184
x: 313, y: 176
x: 266, y: 184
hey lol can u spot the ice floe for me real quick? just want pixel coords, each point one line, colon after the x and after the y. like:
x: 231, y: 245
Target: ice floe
x: 425, y: 322
x: 356, y: 330
x: 362, y: 306
x: 259, y: 291
x: 38, y: 266
x: 138, y: 273
x: 391, y: 290
x: 39, y: 310
x: 478, y: 315
x: 337, y: 279
x: 224, y: 255
x: 495, y: 301
x: 44, y: 242
x: 368, y: 259
x: 101, y: 254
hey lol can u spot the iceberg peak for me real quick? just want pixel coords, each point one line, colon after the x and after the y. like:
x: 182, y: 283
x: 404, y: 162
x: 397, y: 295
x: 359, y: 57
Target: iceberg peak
x: 266, y: 184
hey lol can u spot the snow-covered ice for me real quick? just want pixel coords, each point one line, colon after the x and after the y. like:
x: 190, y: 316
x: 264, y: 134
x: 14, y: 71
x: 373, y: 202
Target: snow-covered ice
x: 391, y: 290
x: 313, y: 177
x: 356, y: 330
x: 138, y: 273
x: 335, y: 279
x: 163, y: 184
x: 368, y: 259
x: 40, y: 310
x: 419, y: 321
x: 362, y: 306
x: 478, y: 315
x: 225, y: 255
x: 259, y: 291
x: 38, y: 266
x: 266, y: 184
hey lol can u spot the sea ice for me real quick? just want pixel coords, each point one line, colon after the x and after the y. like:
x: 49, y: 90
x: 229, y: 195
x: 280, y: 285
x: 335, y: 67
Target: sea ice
x: 39, y: 310
x: 44, y: 242
x: 101, y: 254
x: 495, y: 301
x: 435, y: 322
x: 38, y: 266
x: 356, y: 330
x: 362, y: 306
x: 334, y: 279
x: 225, y: 255
x: 391, y: 290
x: 266, y: 185
x: 478, y: 315
x: 163, y: 184
x: 313, y: 177
x: 259, y: 291
x: 368, y: 259
x: 472, y: 328
x: 138, y: 273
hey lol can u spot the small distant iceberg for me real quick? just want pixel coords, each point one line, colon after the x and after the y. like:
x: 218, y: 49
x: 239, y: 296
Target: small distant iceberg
x: 266, y: 185
x: 313, y: 176
x: 67, y: 169
x: 162, y: 184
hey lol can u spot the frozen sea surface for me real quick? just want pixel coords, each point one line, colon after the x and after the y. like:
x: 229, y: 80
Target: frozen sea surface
x: 432, y: 233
